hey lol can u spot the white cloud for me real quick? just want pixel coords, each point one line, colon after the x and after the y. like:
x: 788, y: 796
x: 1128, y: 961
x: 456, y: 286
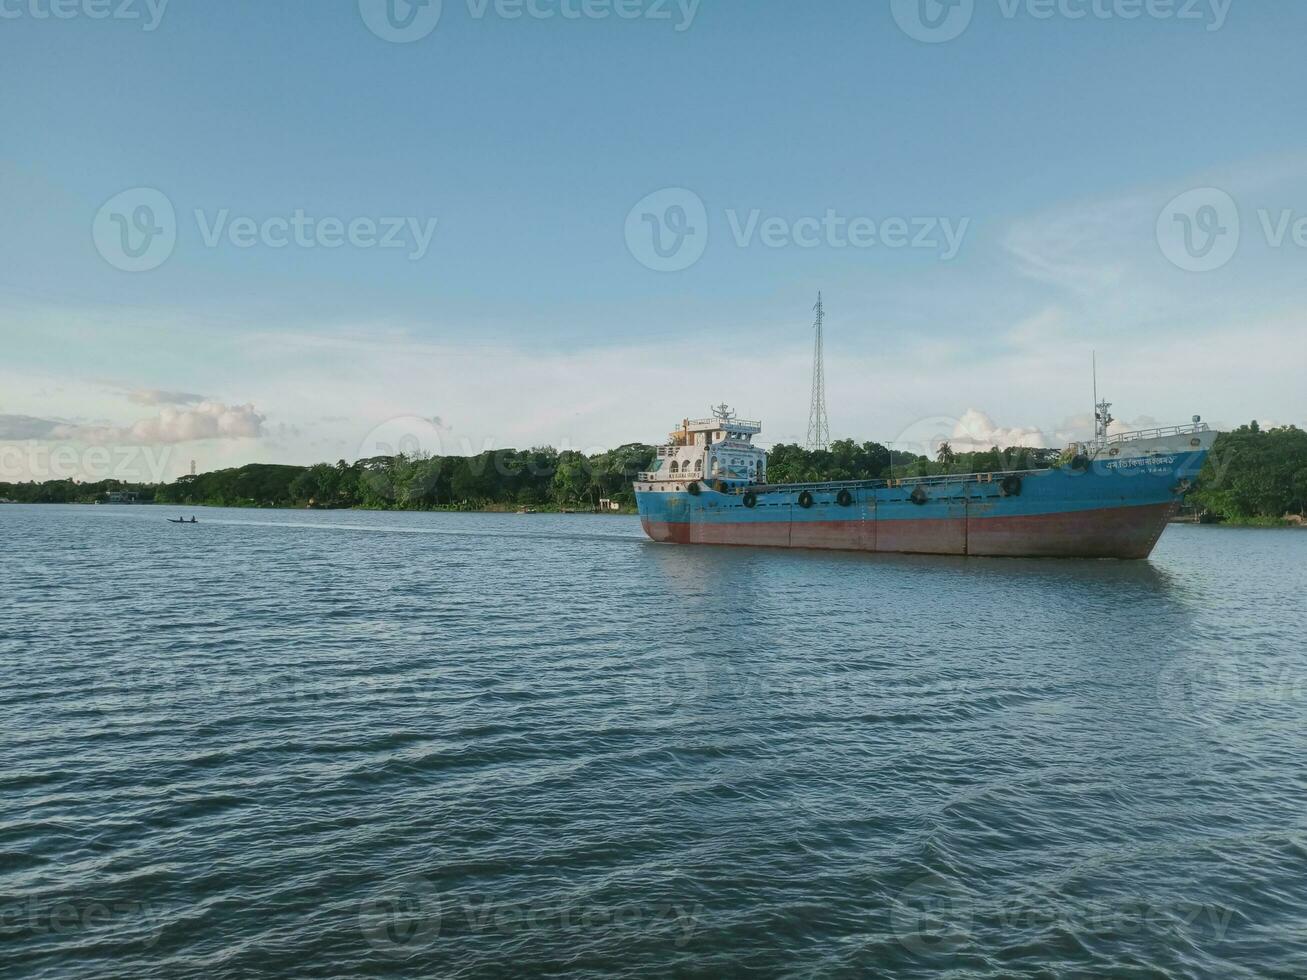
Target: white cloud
x: 208, y: 420
x: 975, y: 430
x: 15, y: 427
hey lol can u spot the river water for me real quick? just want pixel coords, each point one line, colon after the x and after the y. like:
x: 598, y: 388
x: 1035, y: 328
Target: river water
x: 291, y: 743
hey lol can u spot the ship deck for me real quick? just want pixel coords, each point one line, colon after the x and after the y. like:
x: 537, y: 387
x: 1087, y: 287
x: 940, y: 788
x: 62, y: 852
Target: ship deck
x: 884, y: 484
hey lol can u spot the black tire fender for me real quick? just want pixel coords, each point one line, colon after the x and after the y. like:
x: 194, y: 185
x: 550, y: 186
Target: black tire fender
x: 805, y: 500
x: 918, y: 495
x: 844, y: 498
x: 1011, y: 486
x: 750, y: 499
x: 694, y: 489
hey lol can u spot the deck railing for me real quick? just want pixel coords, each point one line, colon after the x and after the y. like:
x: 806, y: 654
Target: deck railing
x: 732, y: 424
x: 666, y: 476
x: 1168, y: 430
x: 836, y: 485
x: 906, y: 481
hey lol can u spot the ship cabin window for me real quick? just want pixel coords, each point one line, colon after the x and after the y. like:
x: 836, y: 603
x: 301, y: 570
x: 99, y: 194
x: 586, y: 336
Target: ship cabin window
x: 698, y: 466
x: 672, y: 468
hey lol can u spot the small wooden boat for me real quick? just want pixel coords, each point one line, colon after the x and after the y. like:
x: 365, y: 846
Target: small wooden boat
x: 182, y: 520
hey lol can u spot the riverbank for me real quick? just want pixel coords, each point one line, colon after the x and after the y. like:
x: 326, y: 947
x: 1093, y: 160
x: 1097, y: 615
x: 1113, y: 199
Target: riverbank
x: 532, y: 510
x: 1294, y: 522
x: 1252, y: 478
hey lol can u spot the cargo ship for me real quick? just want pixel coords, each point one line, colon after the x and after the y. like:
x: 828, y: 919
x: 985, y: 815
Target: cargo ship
x: 1109, y: 498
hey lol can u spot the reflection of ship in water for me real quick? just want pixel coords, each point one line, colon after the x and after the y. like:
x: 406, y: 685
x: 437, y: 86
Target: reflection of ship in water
x: 1110, y: 498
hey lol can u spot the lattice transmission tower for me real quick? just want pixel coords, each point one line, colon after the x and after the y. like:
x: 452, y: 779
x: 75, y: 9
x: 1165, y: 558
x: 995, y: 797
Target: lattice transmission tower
x: 818, y: 425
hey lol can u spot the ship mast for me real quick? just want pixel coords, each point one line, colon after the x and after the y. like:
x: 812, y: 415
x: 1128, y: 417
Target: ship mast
x: 818, y: 426
x: 1102, y: 411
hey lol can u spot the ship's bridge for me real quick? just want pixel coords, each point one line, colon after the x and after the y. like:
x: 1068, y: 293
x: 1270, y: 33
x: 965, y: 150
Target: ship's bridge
x: 719, y: 449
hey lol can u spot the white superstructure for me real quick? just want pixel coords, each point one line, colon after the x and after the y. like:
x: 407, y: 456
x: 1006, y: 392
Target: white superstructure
x: 718, y: 449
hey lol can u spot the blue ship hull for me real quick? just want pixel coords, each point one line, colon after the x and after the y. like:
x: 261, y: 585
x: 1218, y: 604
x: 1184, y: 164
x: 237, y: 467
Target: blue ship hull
x: 1109, y: 507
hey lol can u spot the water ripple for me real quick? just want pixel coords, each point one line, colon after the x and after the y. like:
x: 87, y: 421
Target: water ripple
x: 341, y: 745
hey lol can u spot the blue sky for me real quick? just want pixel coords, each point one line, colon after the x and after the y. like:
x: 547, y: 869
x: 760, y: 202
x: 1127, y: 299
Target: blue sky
x: 1050, y: 144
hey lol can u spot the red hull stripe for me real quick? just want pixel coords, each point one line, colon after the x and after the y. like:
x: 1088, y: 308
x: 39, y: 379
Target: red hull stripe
x: 1117, y: 532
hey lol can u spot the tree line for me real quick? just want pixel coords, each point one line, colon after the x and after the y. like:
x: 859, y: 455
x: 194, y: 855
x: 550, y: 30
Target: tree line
x: 541, y: 477
x: 1253, y: 475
